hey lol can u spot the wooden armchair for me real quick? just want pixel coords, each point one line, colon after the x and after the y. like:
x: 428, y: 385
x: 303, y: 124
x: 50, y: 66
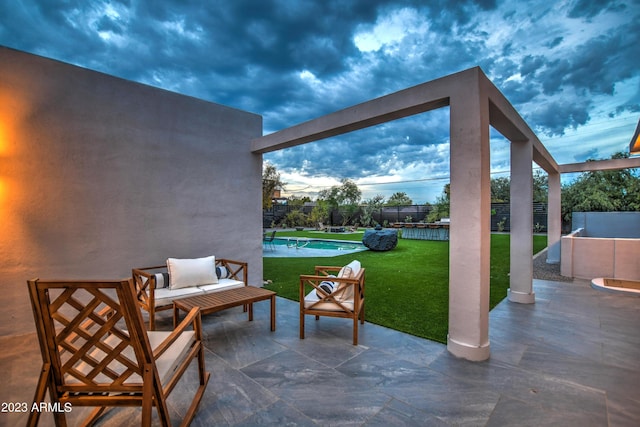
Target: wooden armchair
x: 333, y: 292
x: 96, y: 351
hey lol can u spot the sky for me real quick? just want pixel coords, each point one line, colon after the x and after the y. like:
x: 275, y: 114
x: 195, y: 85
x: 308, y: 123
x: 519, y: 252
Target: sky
x: 570, y: 68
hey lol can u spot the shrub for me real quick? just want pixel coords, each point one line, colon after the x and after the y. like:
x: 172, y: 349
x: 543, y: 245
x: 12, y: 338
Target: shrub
x: 296, y: 218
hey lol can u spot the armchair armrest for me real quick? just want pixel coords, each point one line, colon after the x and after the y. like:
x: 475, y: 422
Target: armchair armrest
x: 238, y: 270
x: 144, y: 281
x: 326, y: 270
x: 192, y: 318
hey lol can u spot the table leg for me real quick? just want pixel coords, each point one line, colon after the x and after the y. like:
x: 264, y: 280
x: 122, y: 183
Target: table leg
x: 273, y: 312
x: 175, y: 316
x: 250, y: 312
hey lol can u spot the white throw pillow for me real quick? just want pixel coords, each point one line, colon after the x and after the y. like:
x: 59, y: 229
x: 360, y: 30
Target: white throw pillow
x: 345, y: 272
x: 350, y: 270
x: 184, y: 273
x: 345, y: 291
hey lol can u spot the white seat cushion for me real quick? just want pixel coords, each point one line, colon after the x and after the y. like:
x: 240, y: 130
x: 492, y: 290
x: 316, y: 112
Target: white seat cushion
x: 170, y: 359
x: 312, y: 298
x: 166, y: 296
x: 165, y: 364
x: 222, y: 285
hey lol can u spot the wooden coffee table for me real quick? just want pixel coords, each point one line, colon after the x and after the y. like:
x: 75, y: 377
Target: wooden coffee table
x: 217, y: 301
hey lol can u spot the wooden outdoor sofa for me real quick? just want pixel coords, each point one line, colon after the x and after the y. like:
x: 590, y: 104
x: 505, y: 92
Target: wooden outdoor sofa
x: 157, y: 287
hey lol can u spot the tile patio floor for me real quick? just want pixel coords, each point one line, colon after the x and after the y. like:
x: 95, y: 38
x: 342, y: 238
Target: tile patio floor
x: 572, y: 359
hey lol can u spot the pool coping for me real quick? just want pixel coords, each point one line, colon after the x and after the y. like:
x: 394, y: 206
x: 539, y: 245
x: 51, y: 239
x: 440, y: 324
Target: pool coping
x: 310, y: 252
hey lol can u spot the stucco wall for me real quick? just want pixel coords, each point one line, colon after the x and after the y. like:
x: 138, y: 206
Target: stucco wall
x: 607, y: 224
x: 590, y: 257
x: 99, y: 175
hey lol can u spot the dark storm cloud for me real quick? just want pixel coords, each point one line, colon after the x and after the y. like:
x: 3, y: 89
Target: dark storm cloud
x: 530, y: 65
x: 573, y: 114
x: 591, y: 154
x: 594, y: 66
x: 292, y: 61
x: 373, y: 151
x: 591, y: 8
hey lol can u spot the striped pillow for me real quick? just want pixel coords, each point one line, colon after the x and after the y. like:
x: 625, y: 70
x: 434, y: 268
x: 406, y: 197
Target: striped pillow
x: 327, y: 286
x: 222, y: 272
x: 162, y: 280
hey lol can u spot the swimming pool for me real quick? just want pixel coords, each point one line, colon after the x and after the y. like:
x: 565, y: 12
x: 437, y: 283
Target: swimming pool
x: 288, y: 247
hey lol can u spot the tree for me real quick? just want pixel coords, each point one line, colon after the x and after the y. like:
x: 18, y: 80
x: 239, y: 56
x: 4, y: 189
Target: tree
x: 441, y: 206
x: 345, y: 197
x: 297, y: 201
x: 501, y: 188
x: 270, y: 182
x: 399, y: 199
x: 602, y: 191
x: 369, y: 207
x: 295, y: 218
x: 540, y: 187
x: 347, y: 193
x: 319, y: 213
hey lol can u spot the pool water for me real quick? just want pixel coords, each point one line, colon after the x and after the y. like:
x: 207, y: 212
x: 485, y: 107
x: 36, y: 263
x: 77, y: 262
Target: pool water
x: 304, y: 247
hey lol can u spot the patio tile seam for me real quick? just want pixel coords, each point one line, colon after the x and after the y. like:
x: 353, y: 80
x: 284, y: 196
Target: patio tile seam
x: 392, y: 398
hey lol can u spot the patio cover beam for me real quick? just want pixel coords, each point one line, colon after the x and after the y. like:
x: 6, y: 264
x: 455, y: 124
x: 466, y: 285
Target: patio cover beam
x: 414, y: 100
x: 475, y: 104
x: 601, y: 165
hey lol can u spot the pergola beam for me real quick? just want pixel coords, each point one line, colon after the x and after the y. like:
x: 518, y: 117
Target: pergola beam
x: 601, y: 165
x: 414, y: 100
x: 475, y: 104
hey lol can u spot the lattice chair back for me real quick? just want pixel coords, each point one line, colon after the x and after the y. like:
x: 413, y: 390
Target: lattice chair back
x: 96, y: 351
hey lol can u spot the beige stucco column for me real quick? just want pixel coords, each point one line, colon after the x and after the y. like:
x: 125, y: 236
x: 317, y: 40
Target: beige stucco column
x: 554, y: 219
x: 521, y: 257
x: 470, y: 213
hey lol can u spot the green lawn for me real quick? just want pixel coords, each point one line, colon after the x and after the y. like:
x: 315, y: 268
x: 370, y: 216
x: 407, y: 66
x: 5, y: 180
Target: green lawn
x: 407, y: 289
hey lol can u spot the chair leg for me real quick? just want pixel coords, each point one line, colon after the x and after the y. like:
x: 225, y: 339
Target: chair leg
x: 46, y: 382
x: 191, y: 413
x: 355, y: 330
x: 301, y: 325
x: 94, y: 416
x: 153, y: 395
x: 152, y: 320
x: 202, y: 374
x: 41, y: 389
